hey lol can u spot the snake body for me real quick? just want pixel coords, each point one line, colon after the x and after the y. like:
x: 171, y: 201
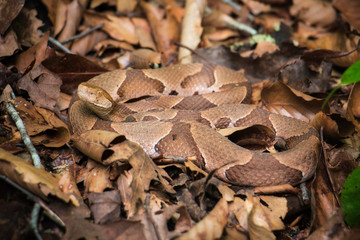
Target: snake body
x: 175, y: 112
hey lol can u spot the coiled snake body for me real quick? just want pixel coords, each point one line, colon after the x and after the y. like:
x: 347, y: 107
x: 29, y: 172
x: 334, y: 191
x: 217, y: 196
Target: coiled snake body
x: 175, y: 112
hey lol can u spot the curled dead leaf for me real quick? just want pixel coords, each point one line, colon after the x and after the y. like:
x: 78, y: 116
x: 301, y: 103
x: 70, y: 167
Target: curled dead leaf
x: 334, y: 127
x: 278, y: 97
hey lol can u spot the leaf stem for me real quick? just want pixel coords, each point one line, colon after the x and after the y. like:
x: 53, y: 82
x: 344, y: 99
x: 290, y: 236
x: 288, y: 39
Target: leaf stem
x: 330, y: 95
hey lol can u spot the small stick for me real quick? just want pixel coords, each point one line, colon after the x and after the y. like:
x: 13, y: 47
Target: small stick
x: 234, y: 5
x: 35, y: 199
x: 304, y: 192
x: 34, y: 220
x: 83, y: 34
x: 192, y: 51
x: 24, y: 135
x: 59, y: 45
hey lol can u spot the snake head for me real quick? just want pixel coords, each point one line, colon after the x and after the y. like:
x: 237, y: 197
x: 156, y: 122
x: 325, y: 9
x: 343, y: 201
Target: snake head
x: 96, y: 98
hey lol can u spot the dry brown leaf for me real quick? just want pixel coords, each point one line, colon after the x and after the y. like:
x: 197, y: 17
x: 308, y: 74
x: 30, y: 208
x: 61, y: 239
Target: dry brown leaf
x: 96, y: 145
x: 191, y: 28
x: 240, y: 209
x: 281, y: 99
x: 27, y: 27
x: 324, y: 201
x: 334, y: 127
x: 97, y: 177
x: 145, y: 58
x: 42, y: 86
x: 123, y: 183
x: 212, y: 226
x: 256, y: 7
x: 350, y: 9
x: 63, y: 101
x: 189, y: 164
x: 33, y: 56
x: 257, y: 226
x: 68, y: 185
x: 126, y: 6
x: 42, y: 125
x: 36, y: 180
x: 353, y: 108
x: 314, y: 12
x: 105, y: 206
x: 8, y: 44
x: 270, y: 21
x: 165, y: 30
x: 337, y: 41
x: 145, y: 171
x: 96, y: 3
x: 83, y: 45
x: 100, y: 145
x: 219, y: 35
x: 143, y: 33
x: 9, y: 10
x: 275, y: 210
x: 119, y: 28
x: 341, y: 162
x: 68, y: 17
x: 333, y: 228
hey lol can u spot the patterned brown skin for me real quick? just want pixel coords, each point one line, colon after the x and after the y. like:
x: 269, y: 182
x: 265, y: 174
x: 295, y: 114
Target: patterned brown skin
x: 176, y: 111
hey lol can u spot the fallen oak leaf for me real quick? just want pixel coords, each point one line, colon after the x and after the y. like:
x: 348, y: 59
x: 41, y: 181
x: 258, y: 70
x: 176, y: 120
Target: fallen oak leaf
x: 212, y: 226
x: 42, y: 86
x: 100, y: 145
x: 36, y: 180
x: 42, y: 125
x: 279, y: 98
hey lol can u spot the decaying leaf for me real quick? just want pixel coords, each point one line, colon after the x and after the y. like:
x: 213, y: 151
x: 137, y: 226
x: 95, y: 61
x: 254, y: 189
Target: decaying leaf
x: 42, y: 86
x: 353, y: 109
x: 99, y: 145
x: 9, y: 10
x: 105, y: 206
x: 212, y: 226
x: 8, y: 44
x: 191, y: 28
x: 350, y: 10
x: 38, y: 181
x: 279, y: 98
x: 119, y: 28
x: 97, y: 178
x: 33, y: 56
x: 42, y: 125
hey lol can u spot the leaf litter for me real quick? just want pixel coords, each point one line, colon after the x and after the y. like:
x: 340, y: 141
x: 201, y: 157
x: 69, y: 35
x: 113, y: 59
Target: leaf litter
x: 293, y: 52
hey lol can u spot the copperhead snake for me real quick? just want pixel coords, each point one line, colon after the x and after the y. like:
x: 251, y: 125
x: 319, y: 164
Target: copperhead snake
x: 174, y: 111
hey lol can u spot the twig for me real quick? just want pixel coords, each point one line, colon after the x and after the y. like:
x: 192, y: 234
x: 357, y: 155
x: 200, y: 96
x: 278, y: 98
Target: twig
x: 34, y: 220
x: 326, y: 167
x: 83, y: 34
x: 192, y: 51
x: 304, y: 192
x: 235, y: 24
x: 24, y: 135
x: 232, y: 4
x: 48, y: 212
x: 59, y: 45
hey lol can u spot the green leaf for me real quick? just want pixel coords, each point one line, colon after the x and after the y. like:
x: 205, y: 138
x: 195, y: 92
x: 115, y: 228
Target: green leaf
x: 352, y: 74
x: 350, y: 199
